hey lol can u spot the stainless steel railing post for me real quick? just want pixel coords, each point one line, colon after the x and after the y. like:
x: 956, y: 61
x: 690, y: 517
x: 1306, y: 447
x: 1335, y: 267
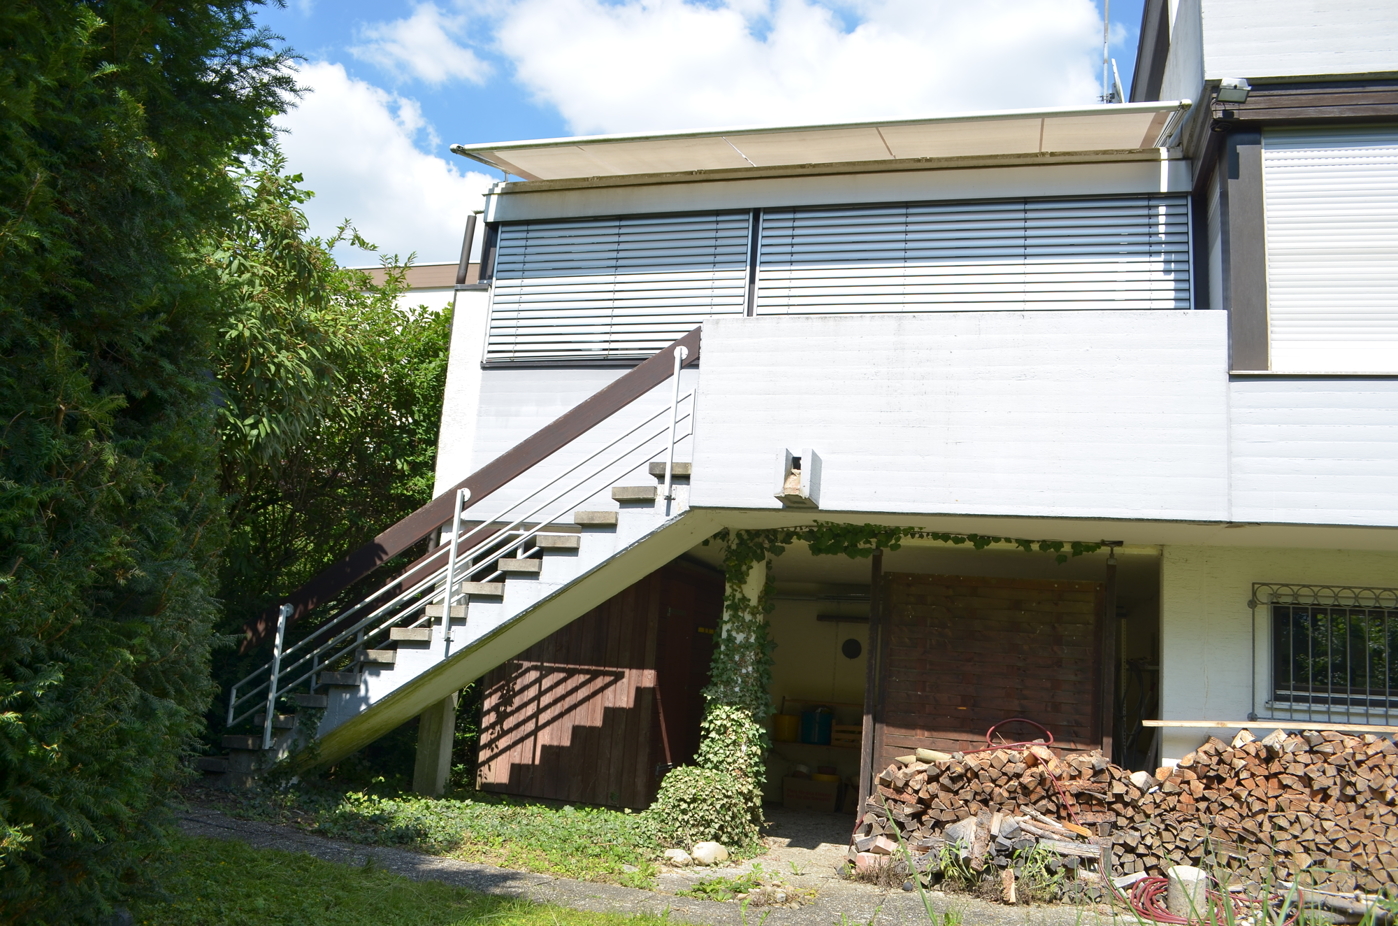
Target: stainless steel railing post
x: 461, y: 496
x: 282, y: 615
x: 680, y: 354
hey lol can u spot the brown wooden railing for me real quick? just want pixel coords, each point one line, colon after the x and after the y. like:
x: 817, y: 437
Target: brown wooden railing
x: 344, y: 572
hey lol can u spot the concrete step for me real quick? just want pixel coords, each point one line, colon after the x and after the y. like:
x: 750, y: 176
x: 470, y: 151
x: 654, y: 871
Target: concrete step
x: 279, y: 722
x: 246, y: 743
x: 311, y: 701
x: 523, y: 567
x: 681, y: 470
x: 415, y: 634
x: 378, y: 657
x: 339, y: 679
x: 558, y: 541
x: 457, y: 610
x: 482, y: 589
x: 634, y: 493
x: 215, y: 764
x: 595, y: 518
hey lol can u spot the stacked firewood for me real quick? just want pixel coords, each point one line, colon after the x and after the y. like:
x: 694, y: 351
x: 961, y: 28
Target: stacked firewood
x: 1318, y: 802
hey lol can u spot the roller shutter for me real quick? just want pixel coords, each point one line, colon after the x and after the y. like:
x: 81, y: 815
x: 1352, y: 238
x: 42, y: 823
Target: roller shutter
x: 1104, y: 253
x: 1332, y: 249
x: 613, y: 289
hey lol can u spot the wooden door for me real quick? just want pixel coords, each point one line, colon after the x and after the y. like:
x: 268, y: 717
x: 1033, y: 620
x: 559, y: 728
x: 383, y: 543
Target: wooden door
x: 964, y: 653
x: 689, y: 617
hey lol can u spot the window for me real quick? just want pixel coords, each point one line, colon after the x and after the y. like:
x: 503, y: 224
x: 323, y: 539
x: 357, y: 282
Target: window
x: 1334, y: 652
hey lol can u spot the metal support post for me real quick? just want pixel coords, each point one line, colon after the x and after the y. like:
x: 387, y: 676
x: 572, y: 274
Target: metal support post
x: 680, y: 354
x: 461, y: 496
x: 283, y: 615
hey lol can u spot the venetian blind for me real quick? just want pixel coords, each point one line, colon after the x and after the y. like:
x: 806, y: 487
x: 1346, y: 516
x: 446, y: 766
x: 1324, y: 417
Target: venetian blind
x: 613, y: 289
x: 1101, y: 253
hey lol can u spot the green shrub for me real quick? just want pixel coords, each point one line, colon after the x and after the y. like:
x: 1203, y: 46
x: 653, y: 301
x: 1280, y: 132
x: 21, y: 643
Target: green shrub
x: 700, y: 805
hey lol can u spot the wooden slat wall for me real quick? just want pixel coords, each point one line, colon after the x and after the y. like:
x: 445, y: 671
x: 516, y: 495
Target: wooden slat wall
x: 576, y: 717
x: 965, y: 653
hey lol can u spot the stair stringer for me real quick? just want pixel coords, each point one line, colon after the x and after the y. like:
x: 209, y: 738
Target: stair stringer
x: 513, y: 635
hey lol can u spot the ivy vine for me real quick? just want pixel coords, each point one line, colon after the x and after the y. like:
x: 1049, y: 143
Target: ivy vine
x: 691, y: 805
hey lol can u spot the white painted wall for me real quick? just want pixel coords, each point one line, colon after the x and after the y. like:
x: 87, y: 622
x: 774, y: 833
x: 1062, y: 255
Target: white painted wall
x: 1213, y: 230
x: 435, y: 299
x: 1038, y: 414
x: 1284, y: 38
x: 1213, y: 665
x: 512, y: 404
x: 1152, y: 174
x: 461, y: 400
x: 1313, y: 450
x: 1184, y: 65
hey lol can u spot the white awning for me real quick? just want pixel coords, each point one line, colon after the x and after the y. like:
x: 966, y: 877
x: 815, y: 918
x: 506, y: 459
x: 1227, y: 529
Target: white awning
x: 1118, y: 127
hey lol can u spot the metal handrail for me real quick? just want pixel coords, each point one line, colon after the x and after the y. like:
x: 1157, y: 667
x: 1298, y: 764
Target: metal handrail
x: 422, y: 523
x: 493, y: 537
x: 442, y: 582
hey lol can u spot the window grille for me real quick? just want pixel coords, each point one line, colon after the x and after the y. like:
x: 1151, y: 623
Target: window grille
x: 1334, y: 652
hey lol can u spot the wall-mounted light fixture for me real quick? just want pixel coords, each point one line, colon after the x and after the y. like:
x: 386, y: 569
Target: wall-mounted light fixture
x: 798, y: 479
x: 1233, y: 90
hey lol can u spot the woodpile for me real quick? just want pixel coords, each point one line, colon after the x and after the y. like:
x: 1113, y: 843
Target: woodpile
x: 1316, y: 802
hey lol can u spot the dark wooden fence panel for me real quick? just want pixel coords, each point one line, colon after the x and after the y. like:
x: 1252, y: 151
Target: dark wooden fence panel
x: 596, y: 711
x: 965, y: 653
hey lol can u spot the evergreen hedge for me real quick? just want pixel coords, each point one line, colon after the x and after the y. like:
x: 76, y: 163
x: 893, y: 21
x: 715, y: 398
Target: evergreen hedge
x: 117, y: 121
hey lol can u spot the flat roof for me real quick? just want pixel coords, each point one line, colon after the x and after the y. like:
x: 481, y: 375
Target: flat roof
x: 1108, y: 127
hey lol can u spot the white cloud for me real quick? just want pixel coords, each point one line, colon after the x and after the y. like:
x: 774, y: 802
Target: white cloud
x: 357, y: 147
x: 670, y: 64
x: 422, y: 46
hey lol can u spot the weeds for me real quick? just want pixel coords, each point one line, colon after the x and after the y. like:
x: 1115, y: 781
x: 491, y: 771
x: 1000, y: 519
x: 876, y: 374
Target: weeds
x: 755, y: 887
x: 590, y: 844
x: 215, y: 882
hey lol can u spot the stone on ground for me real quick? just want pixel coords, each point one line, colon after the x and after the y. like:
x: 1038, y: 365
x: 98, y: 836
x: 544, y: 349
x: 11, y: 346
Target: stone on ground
x: 709, y: 853
x: 679, y: 858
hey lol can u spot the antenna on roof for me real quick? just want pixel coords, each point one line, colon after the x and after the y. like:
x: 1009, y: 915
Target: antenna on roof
x: 1106, y: 32
x: 1118, y: 95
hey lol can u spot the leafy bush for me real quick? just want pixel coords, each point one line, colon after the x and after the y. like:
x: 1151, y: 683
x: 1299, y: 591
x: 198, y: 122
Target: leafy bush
x: 700, y: 804
x: 120, y: 118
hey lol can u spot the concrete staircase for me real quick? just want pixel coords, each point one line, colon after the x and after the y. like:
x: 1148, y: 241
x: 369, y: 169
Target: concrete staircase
x: 395, y: 668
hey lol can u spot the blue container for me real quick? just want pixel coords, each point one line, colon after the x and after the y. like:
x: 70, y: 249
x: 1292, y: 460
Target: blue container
x: 816, y: 724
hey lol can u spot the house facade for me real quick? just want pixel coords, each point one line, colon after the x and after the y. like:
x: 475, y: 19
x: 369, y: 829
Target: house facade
x: 1166, y: 328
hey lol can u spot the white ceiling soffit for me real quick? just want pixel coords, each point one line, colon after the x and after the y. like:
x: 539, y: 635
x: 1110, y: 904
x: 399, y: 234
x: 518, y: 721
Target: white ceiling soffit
x: 1120, y: 127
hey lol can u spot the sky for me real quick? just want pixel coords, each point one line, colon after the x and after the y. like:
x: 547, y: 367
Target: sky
x: 390, y: 85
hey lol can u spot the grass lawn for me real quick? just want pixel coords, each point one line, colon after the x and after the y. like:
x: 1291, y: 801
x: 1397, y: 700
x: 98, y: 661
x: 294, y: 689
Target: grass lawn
x: 587, y: 844
x: 210, y: 882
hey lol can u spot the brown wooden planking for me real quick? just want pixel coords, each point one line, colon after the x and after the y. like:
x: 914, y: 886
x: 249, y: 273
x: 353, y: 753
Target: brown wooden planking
x: 593, y: 737
x: 1035, y: 656
x: 1057, y: 668
x: 975, y: 719
x: 1048, y: 653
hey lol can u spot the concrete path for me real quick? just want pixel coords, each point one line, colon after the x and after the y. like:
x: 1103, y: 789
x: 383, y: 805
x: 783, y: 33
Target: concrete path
x: 837, y: 902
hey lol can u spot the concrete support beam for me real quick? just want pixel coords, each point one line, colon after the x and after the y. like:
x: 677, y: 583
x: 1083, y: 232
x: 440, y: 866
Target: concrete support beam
x: 436, y: 729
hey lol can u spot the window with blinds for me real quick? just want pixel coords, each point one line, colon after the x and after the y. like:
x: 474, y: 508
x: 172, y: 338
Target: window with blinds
x: 613, y: 289
x: 1331, y: 201
x: 1101, y: 253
